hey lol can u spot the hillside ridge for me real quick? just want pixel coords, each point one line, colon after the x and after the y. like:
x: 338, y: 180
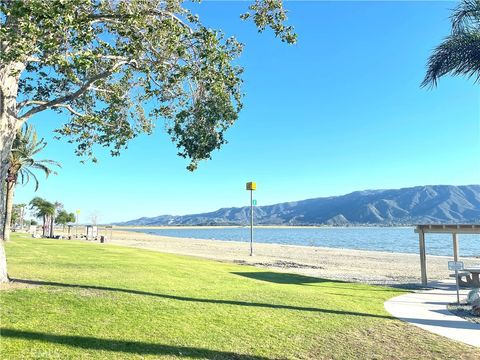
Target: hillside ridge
x: 406, y: 206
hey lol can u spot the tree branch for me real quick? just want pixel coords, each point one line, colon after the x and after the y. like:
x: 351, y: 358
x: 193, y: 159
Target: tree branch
x: 98, y: 18
x: 65, y: 106
x: 72, y: 96
x: 93, y: 88
x: 33, y: 59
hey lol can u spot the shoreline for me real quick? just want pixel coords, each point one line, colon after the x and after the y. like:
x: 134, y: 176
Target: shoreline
x: 246, y: 243
x: 366, y: 266
x: 199, y: 227
x: 138, y: 230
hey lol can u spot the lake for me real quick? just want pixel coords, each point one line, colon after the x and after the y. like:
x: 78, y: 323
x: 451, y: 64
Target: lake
x: 392, y: 239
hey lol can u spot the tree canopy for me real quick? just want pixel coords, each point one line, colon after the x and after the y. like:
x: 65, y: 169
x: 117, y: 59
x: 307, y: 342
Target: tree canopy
x: 42, y: 207
x: 116, y: 67
x: 63, y: 217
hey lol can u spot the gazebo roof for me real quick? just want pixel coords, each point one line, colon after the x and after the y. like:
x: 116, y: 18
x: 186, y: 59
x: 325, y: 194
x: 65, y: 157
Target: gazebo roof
x: 449, y: 228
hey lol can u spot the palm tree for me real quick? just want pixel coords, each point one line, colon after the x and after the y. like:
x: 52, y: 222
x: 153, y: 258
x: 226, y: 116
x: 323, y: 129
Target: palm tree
x: 45, y: 210
x: 58, y: 207
x: 459, y: 53
x: 22, y: 163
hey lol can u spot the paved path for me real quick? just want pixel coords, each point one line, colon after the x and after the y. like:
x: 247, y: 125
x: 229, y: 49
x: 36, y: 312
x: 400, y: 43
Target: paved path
x: 428, y: 309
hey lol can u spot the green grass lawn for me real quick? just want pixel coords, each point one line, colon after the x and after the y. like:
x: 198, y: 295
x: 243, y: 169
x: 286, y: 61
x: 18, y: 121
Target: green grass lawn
x: 79, y: 300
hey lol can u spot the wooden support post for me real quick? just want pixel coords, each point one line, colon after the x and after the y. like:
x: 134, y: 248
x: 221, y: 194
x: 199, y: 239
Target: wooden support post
x: 423, y: 257
x: 455, y: 247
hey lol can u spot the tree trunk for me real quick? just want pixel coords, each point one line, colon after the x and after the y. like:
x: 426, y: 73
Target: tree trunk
x: 22, y: 215
x: 9, y: 77
x: 5, y: 147
x: 51, y: 225
x: 8, y: 208
x: 44, y: 226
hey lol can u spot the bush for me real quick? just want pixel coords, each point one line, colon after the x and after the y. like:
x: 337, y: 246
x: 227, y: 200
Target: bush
x: 476, y: 307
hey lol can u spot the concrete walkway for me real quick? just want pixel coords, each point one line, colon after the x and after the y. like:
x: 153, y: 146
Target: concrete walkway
x: 428, y: 309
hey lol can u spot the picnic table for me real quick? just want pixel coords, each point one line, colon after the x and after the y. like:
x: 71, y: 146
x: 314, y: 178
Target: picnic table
x: 471, y: 275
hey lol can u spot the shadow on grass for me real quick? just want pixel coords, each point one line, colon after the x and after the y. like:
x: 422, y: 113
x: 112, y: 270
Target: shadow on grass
x: 295, y: 279
x: 283, y: 278
x: 200, y: 300
x: 132, y: 347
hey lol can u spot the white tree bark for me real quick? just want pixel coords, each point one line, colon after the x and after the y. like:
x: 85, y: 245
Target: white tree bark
x: 9, y: 123
x: 6, y: 140
x: 10, y: 190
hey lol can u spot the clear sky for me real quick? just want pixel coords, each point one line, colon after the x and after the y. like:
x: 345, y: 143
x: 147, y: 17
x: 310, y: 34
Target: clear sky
x: 340, y: 111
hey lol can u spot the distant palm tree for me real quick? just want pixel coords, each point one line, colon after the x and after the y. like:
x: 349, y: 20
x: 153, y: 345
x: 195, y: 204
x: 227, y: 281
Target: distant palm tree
x: 45, y: 210
x: 459, y: 53
x: 58, y: 207
x: 22, y: 161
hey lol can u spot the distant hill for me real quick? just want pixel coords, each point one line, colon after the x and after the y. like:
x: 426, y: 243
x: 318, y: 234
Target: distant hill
x: 420, y: 204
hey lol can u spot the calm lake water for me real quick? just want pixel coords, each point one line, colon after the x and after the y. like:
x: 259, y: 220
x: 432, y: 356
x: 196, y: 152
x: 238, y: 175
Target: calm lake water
x: 392, y: 239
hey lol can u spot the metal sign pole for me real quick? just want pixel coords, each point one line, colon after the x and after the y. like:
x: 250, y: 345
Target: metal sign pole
x: 458, y: 287
x: 251, y: 186
x: 456, y: 265
x: 251, y: 222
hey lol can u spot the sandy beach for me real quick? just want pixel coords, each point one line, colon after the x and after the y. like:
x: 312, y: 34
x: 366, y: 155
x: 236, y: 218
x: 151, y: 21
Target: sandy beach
x: 340, y: 264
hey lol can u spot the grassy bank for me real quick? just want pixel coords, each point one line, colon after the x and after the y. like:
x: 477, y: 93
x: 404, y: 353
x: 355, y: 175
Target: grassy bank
x: 77, y: 300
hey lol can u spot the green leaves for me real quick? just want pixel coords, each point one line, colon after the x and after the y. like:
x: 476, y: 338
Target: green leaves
x: 118, y: 67
x: 63, y: 217
x: 271, y: 14
x: 459, y: 53
x: 22, y: 157
x: 42, y: 207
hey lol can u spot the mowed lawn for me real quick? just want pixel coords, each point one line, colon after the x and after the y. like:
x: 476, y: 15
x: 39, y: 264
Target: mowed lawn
x: 77, y: 299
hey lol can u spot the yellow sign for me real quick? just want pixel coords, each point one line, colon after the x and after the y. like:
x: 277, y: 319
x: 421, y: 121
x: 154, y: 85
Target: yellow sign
x: 78, y: 211
x: 251, y: 185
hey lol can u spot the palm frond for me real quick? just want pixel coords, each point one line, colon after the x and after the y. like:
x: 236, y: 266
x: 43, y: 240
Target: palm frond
x: 49, y: 162
x: 38, y: 146
x: 466, y: 16
x: 42, y: 207
x: 22, y: 157
x: 24, y: 176
x: 46, y: 170
x: 458, y: 54
x: 34, y: 177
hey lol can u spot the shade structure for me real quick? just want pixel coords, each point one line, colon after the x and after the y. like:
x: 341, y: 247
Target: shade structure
x: 454, y: 230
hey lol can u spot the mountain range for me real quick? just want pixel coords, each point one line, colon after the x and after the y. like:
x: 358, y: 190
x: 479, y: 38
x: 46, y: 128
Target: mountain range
x: 407, y: 206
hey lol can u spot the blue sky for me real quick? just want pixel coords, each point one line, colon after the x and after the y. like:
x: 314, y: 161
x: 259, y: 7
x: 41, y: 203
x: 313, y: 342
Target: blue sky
x: 340, y: 111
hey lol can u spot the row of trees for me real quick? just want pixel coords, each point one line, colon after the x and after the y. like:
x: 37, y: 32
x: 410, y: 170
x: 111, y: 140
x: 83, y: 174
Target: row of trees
x: 23, y: 164
x: 50, y: 213
x: 18, y: 217
x: 22, y: 167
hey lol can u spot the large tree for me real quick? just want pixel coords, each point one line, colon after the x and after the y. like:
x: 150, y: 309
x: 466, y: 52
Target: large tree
x: 115, y: 67
x: 459, y: 53
x: 23, y: 163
